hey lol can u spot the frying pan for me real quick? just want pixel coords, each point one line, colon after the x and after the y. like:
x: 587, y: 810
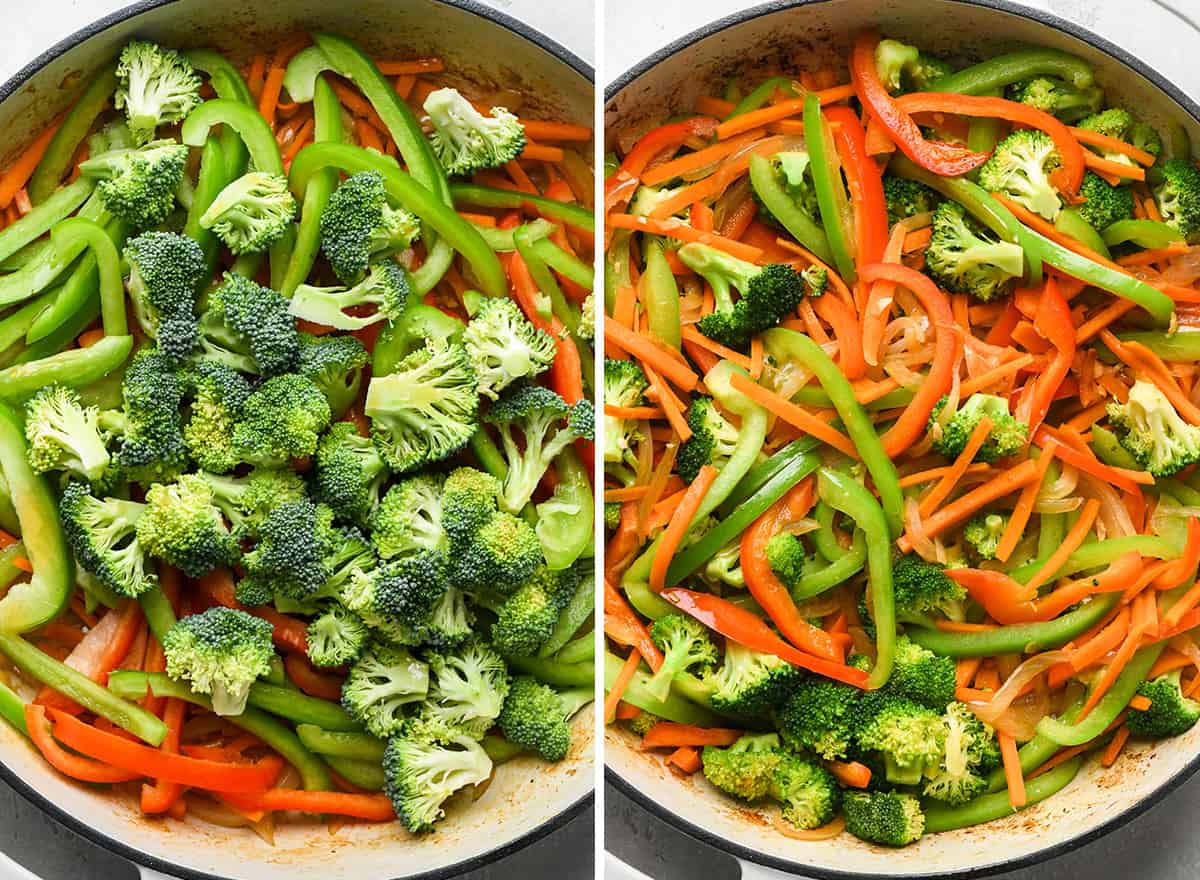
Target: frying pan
x: 528, y: 798
x: 810, y: 35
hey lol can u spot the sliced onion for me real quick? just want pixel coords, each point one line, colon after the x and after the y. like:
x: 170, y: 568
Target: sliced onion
x: 802, y: 527
x: 1021, y: 719
x: 1059, y: 505
x: 832, y: 828
x: 991, y: 711
x: 216, y: 813
x: 818, y: 606
x: 1184, y: 644
x: 1063, y: 486
x: 1184, y: 268
x: 1113, y: 518
x: 921, y: 543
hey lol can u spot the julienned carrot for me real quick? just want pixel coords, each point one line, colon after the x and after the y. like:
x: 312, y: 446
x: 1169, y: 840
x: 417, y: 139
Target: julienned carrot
x: 945, y: 486
x: 1143, y: 703
x: 686, y: 759
x: 1112, y: 145
x: 928, y: 476
x: 671, y: 406
x: 794, y: 415
x: 1070, y: 543
x: 850, y: 773
x: 697, y: 159
x: 690, y: 333
x: 1123, y: 479
x: 372, y: 807
x: 776, y: 112
x: 545, y: 130
x: 645, y: 350
x: 672, y: 735
x: 1113, y: 750
x: 677, y: 530
x: 413, y: 66
x: 1012, y: 770
x: 22, y: 168
x: 657, y: 487
x: 677, y: 229
x: 622, y: 681
x: 1112, y: 168
x: 541, y: 152
x: 996, y: 374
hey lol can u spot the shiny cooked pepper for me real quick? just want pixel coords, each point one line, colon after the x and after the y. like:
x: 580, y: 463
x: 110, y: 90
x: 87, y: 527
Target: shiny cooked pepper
x: 1070, y: 222
x: 987, y: 807
x: 227, y: 82
x: 212, y: 177
x: 660, y: 294
x: 1143, y: 233
x: 841, y: 563
x: 564, y: 524
x: 1076, y: 733
x: 486, y: 197
x: 836, y: 216
x: 865, y: 182
x: 501, y: 240
x: 341, y: 744
x: 787, y: 346
x: 1004, y: 70
x: 56, y: 161
x: 83, y: 285
x: 12, y: 708
x: 453, y: 231
x: 1053, y: 321
x: 1181, y: 345
x: 619, y: 186
x: 762, y: 93
x: 39, y: 600
x: 762, y: 472
x: 673, y: 708
x: 107, y: 260
x: 59, y: 205
x: 799, y: 224
x: 539, y: 270
x: 77, y: 367
x: 843, y: 493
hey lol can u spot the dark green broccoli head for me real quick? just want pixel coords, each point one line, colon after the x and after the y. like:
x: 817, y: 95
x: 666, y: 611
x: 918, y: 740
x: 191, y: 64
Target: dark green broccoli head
x: 336, y: 637
x: 469, y: 499
x: 152, y: 446
x: 819, y: 716
x: 501, y: 556
x: 983, y: 533
x: 807, y: 792
x: 282, y: 419
x: 1068, y: 102
x: 139, y: 185
x: 904, y: 68
x: 624, y: 385
x: 612, y: 515
x: 247, y: 327
x: 964, y: 259
x: 335, y: 363
x: 451, y: 622
x: 1104, y: 204
x: 884, y: 817
x: 746, y: 769
x: 424, y: 765
x: 787, y: 558
x: 217, y: 393
x: 750, y: 685
x: 1170, y: 712
x: 165, y: 271
x: 909, y: 736
x: 922, y: 588
x: 1007, y: 436
x: 1150, y: 429
x: 921, y: 675
x: 1178, y: 197
x: 640, y: 724
x: 102, y: 534
x: 220, y: 652
x: 155, y: 86
x: 183, y: 526
x: 1020, y: 168
x: 65, y: 435
x: 907, y: 198
x: 527, y: 618
x: 712, y: 442
x: 384, y: 290
x: 348, y: 473
x: 537, y: 717
x: 505, y: 347
x: 408, y: 588
x: 252, y: 213
x: 295, y: 541
x: 246, y: 501
x: 686, y: 646
x: 467, y: 688
x: 358, y: 226
x: 1115, y: 122
x: 466, y: 140
x: 382, y: 682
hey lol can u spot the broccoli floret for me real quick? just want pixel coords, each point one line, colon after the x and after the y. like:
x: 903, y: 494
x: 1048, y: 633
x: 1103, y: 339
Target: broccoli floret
x: 220, y: 652
x: 467, y: 688
x: 536, y: 716
x: 807, y: 792
x: 336, y: 637
x: 787, y: 558
x: 165, y: 270
x: 750, y: 684
x: 102, y: 533
x: 1114, y: 122
x: 1020, y: 167
x: 335, y: 364
x: 640, y: 724
x: 923, y: 588
x: 295, y: 540
x: 425, y: 411
x: 904, y: 68
x: 527, y: 618
x: 612, y: 515
x: 500, y: 556
x: 746, y: 769
x: 1007, y: 436
x: 1178, y: 197
x: 983, y: 532
x: 767, y: 293
x: 409, y: 519
x: 450, y: 623
x: 252, y: 213
x: 1104, y: 204
x: 921, y: 675
x: 647, y: 198
x: 965, y: 260
x: 349, y: 473
x: 685, y: 644
x: 504, y: 346
x: 907, y: 198
x: 970, y: 753
x: 624, y: 385
x: 885, y: 817
x: 537, y: 415
x: 407, y: 589
x: 152, y: 446
x: 218, y: 395
x: 1145, y: 137
x: 466, y: 140
x: 469, y: 499
x: 819, y: 715
x: 422, y: 769
x: 283, y: 419
x: 1170, y: 713
x: 908, y: 735
x: 155, y: 86
x: 385, y: 289
x: 247, y: 501
x: 1068, y: 102
x: 64, y: 435
x: 382, y: 681
x: 725, y: 567
x: 793, y: 171
x: 351, y: 553
x: 712, y: 442
x: 182, y: 526
x: 139, y: 185
x: 1150, y: 429
x: 359, y: 226
x: 247, y: 327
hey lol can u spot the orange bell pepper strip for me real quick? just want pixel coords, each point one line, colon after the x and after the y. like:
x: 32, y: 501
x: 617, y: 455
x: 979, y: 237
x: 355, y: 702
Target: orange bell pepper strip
x: 68, y: 763
x: 865, y: 182
x: 98, y: 653
x: 147, y: 761
x: 749, y: 630
x: 626, y: 628
x: 649, y: 145
x: 372, y: 807
x: 289, y: 633
x: 159, y: 797
x: 940, y: 158
x: 309, y: 680
x: 566, y: 373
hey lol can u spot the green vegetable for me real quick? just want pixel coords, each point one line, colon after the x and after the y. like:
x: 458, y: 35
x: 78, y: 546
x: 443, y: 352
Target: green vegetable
x: 155, y: 86
x: 965, y: 260
x: 139, y: 184
x: 985, y: 808
x: 485, y: 197
x: 884, y: 817
x: 70, y: 233
x: 49, y: 211
x: 287, y: 703
x: 466, y: 140
x: 745, y: 769
x: 572, y: 618
x: 674, y: 708
x: 1020, y: 168
x: 1150, y: 430
x: 799, y: 223
x: 831, y: 193
x: 380, y: 684
x: 56, y: 161
x: 1170, y: 713
x: 1003, y: 70
x: 565, y: 519
x: 762, y: 93
x: 1143, y: 233
x: 536, y: 717
x: 385, y: 289
x: 221, y: 651
x: 252, y: 213
x: 341, y: 744
x: 424, y: 766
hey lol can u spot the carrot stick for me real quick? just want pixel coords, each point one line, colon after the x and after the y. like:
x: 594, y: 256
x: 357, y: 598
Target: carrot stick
x: 633, y: 412
x: 677, y: 229
x: 657, y: 486
x: 942, y: 490
x: 690, y: 333
x: 1112, y: 145
x: 850, y: 773
x: 541, y: 152
x: 542, y: 130
x: 928, y: 476
x: 21, y: 169
x: 670, y: 734
x: 1113, y: 750
x: 671, y: 406
x: 648, y: 352
x: 782, y: 110
x: 1012, y: 770
x: 1143, y: 703
x: 415, y: 66
x: 1074, y: 538
x: 687, y: 759
x: 996, y: 374
x: 618, y: 689
x: 794, y: 415
x: 677, y: 529
x: 1060, y: 758
x: 1112, y: 168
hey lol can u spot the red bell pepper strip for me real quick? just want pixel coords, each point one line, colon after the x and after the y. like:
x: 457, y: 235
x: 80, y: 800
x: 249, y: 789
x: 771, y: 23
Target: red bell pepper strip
x: 911, y: 424
x: 98, y: 654
x: 289, y: 633
x: 1069, y: 174
x: 621, y: 183
x: 566, y: 373
x: 771, y: 593
x: 309, y: 680
x: 147, y: 761
x: 372, y: 807
x: 940, y: 158
x: 1053, y: 322
x: 626, y: 628
x: 865, y: 182
x: 749, y: 630
x: 68, y: 763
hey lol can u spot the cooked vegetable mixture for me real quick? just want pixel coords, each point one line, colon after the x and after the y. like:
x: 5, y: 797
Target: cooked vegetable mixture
x: 295, y: 435
x: 900, y: 435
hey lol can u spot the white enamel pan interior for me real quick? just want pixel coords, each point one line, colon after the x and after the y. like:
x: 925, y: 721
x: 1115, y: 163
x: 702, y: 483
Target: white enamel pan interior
x: 810, y: 35
x: 528, y: 798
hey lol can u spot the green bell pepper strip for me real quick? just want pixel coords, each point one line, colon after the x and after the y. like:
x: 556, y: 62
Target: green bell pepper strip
x: 762, y: 94
x: 211, y: 179
x: 830, y: 191
x: 983, y: 133
x: 327, y: 127
x: 453, y: 231
x: 1032, y: 754
x: 988, y: 807
x: 66, y: 333
x: 815, y: 580
x: 791, y: 216
x: 16, y: 323
x: 94, y: 237
x: 364, y: 774
x: 158, y: 613
x: 8, y: 513
x: 1110, y: 705
x: 56, y: 161
x: 486, y: 197
x: 1016, y: 638
x: 1096, y: 554
x: 842, y: 492
x: 1071, y: 223
x: 1051, y: 529
x: 578, y: 651
x: 501, y: 240
x: 976, y: 200
x: 555, y: 673
x: 77, y: 367
x: 673, y: 708
x: 33, y: 251
x: 574, y: 616
x: 253, y: 130
x: 9, y: 571
x: 499, y: 749
x: 39, y: 600
x: 616, y: 267
x: 689, y: 560
x: 564, y: 521
x: 1004, y: 70
x: 57, y: 206
x: 84, y: 282
x: 37, y: 275
x: 660, y: 294
x: 87, y: 693
x: 1143, y: 233
x: 567, y: 265
x: 545, y: 280
x: 12, y: 708
x: 341, y: 744
x: 756, y: 477
x: 786, y: 346
x: 1176, y: 144
x: 824, y: 538
x: 289, y: 703
x: 1182, y: 345
x: 227, y: 82
x: 277, y: 736
x: 1110, y: 451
